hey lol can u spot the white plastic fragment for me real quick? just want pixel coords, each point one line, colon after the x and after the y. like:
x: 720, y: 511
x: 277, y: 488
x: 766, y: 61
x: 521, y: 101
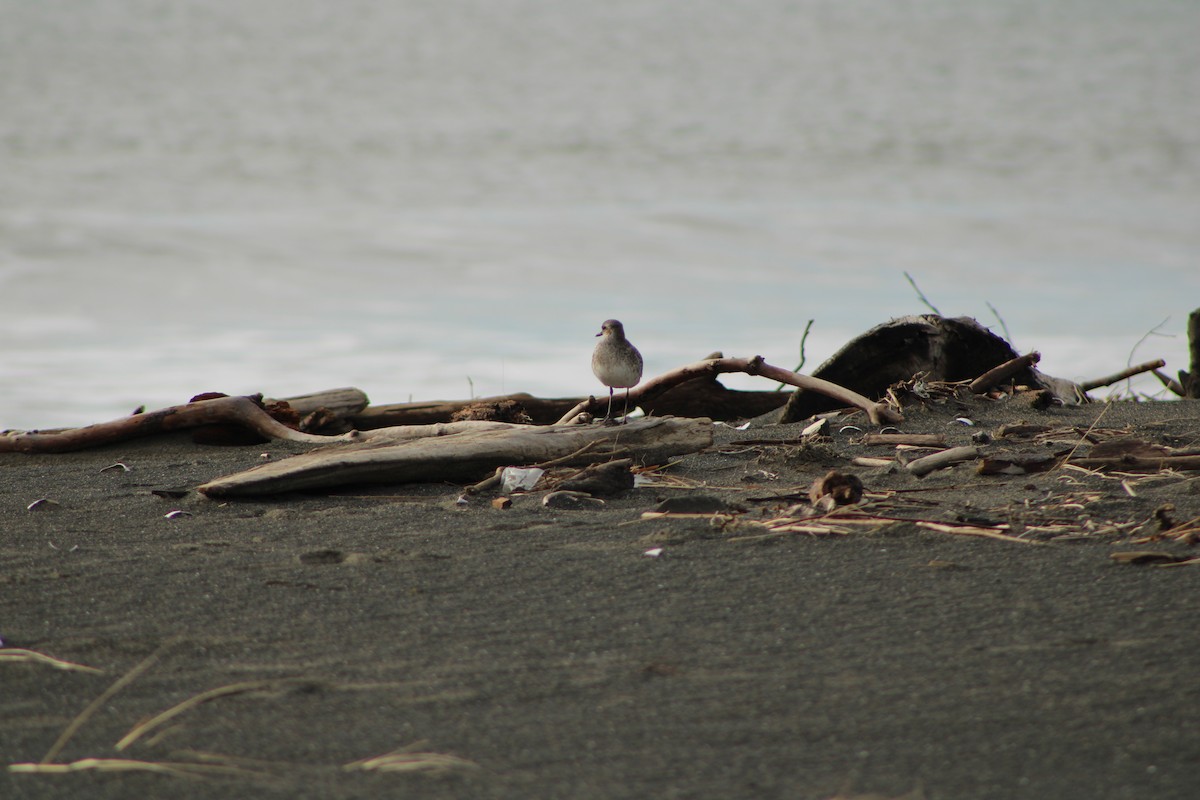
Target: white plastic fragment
x: 964, y: 421
x: 513, y: 478
x: 653, y: 552
x: 176, y: 514
x: 119, y: 465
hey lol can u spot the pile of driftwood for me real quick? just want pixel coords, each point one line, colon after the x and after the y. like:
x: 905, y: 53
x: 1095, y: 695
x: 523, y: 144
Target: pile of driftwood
x: 463, y: 441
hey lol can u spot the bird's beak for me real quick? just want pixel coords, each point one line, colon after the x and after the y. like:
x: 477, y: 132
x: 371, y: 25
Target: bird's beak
x: 601, y: 333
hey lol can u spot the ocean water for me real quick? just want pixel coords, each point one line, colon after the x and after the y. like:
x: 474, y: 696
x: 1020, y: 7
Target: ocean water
x: 444, y: 200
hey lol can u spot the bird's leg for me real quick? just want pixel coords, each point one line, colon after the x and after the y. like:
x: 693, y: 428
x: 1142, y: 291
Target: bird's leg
x: 625, y: 416
x: 608, y: 414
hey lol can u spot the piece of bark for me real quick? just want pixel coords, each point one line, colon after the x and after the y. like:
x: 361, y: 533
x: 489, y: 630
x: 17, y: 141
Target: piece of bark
x: 648, y: 392
x: 607, y: 479
x: 1020, y: 430
x: 568, y: 500
x: 460, y: 452
x: 242, y: 411
x: 494, y: 411
x: 946, y: 458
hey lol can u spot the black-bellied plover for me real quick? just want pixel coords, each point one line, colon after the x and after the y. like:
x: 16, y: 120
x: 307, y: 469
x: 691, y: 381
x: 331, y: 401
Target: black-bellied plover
x: 616, y: 362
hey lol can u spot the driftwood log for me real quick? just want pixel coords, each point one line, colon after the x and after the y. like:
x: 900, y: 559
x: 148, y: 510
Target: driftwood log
x: 647, y: 393
x: 245, y: 412
x: 701, y: 397
x: 463, y: 452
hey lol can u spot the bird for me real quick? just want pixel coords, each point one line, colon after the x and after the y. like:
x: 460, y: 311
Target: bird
x: 616, y: 362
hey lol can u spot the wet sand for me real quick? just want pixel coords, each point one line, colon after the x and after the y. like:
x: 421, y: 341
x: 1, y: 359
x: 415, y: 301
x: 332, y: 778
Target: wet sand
x: 533, y: 652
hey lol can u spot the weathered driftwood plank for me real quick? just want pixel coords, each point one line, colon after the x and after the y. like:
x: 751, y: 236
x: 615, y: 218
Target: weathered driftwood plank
x: 462, y: 452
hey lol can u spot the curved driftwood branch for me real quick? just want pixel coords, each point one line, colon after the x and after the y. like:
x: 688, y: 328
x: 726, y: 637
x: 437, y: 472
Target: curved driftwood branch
x: 243, y: 411
x: 461, y: 451
x: 878, y: 412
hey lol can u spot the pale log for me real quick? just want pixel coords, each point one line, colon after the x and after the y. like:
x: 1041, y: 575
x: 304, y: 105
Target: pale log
x: 462, y: 452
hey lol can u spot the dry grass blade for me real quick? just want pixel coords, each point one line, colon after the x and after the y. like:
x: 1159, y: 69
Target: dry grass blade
x: 146, y: 726
x: 973, y: 530
x: 179, y: 769
x: 408, y: 761
x: 18, y: 654
x: 1084, y: 437
x: 79, y: 721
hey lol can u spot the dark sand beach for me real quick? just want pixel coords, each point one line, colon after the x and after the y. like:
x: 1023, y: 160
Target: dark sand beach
x: 538, y: 653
